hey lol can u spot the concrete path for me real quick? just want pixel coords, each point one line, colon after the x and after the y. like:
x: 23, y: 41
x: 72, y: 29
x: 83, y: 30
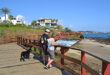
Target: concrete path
x: 10, y: 64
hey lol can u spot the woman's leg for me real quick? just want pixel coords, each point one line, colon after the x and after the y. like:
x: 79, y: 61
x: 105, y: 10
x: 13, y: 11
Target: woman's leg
x: 48, y: 59
x: 51, y: 55
x: 49, y: 63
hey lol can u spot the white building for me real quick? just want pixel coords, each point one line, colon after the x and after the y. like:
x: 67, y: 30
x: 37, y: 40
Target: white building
x: 46, y: 22
x: 18, y: 20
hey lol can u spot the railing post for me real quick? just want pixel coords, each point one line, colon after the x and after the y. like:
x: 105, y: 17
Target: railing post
x: 26, y: 41
x: 23, y: 41
x: 29, y: 37
x: 39, y: 36
x: 29, y: 41
x: 83, y: 59
x: 20, y: 40
x: 34, y: 44
x: 66, y: 51
x: 62, y: 59
x: 40, y: 51
x: 17, y: 40
x: 105, y: 68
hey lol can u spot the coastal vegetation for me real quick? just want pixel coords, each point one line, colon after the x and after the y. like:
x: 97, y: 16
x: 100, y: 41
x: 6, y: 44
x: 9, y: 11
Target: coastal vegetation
x: 7, y: 28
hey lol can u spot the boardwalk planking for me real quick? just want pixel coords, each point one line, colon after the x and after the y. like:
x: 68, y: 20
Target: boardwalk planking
x: 10, y: 64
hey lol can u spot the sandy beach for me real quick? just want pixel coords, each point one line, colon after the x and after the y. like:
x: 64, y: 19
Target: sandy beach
x: 96, y: 47
x: 93, y: 46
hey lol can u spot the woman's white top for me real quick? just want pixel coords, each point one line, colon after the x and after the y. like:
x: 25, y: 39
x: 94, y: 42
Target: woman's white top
x: 50, y: 46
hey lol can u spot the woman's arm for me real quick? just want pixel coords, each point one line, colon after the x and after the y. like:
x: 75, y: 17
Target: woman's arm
x: 53, y: 42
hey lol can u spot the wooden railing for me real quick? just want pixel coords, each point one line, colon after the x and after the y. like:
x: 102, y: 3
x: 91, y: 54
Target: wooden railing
x: 105, y: 61
x: 10, y: 38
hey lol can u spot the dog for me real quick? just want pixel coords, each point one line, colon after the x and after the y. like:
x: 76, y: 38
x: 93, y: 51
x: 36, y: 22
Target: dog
x: 25, y: 55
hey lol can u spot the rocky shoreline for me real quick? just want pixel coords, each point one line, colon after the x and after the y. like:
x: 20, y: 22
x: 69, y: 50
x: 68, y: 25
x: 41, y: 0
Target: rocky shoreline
x: 101, y: 40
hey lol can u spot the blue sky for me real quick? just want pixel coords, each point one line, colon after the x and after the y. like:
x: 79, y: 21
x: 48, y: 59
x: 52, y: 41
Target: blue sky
x: 76, y: 14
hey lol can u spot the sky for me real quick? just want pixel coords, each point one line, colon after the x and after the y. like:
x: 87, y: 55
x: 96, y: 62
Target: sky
x: 78, y: 15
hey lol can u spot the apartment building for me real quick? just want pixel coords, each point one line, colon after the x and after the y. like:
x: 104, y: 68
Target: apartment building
x: 46, y: 22
x: 18, y: 20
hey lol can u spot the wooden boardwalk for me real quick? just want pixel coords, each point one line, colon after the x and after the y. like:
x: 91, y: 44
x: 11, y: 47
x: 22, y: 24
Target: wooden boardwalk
x: 10, y: 64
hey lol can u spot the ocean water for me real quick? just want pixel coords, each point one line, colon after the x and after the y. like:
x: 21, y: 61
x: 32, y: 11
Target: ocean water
x: 88, y: 35
x: 101, y: 35
x: 67, y: 42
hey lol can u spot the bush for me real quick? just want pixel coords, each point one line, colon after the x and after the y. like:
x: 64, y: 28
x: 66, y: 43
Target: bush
x: 6, y: 24
x: 21, y: 25
x: 59, y: 27
x: 67, y: 30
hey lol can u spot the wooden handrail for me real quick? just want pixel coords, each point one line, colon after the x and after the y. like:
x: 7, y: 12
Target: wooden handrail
x: 88, y: 52
x: 105, y: 64
x: 79, y: 62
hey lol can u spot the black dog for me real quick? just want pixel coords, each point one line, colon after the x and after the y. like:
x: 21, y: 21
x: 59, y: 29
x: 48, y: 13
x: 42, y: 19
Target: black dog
x: 25, y: 55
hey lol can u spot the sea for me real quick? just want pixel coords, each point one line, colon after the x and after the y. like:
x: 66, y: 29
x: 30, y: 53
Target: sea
x: 94, y: 35
x: 88, y: 35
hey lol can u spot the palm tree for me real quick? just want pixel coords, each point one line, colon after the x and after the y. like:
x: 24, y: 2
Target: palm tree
x: 5, y: 11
